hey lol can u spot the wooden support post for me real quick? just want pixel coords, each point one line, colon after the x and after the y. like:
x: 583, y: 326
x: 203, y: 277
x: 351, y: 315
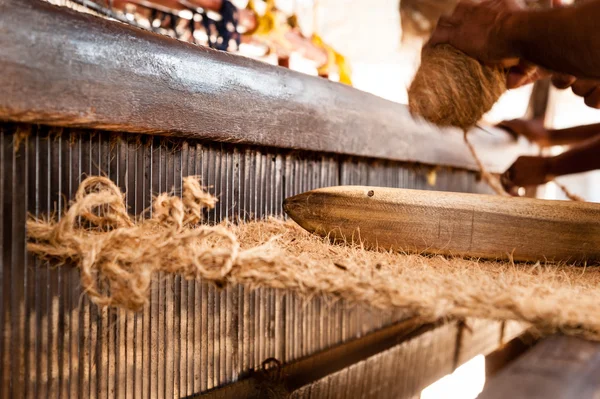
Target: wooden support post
x: 538, y: 108
x: 558, y: 367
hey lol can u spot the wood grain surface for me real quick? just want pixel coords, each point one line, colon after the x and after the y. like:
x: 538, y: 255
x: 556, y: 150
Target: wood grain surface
x: 65, y: 68
x: 559, y: 367
x: 452, y: 223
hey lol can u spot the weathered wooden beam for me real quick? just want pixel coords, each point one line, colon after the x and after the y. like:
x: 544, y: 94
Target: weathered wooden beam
x: 65, y: 68
x: 409, y: 356
x: 557, y: 367
x: 506, y: 354
x: 473, y: 225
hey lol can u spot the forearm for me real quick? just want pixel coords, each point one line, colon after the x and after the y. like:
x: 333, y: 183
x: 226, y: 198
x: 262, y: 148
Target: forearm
x: 562, y: 40
x: 582, y: 158
x: 573, y: 135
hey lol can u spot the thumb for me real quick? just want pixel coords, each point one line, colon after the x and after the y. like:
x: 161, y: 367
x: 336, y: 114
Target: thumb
x: 440, y: 35
x: 523, y: 74
x: 516, y: 79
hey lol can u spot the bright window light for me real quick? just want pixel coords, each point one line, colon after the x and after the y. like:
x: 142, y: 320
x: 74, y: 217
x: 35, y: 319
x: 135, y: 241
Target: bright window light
x: 466, y: 382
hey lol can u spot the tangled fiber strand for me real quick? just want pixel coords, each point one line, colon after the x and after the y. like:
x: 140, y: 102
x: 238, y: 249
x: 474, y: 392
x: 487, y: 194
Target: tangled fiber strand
x: 114, y: 251
x: 568, y: 193
x: 118, y: 256
x: 453, y: 89
x: 491, y: 180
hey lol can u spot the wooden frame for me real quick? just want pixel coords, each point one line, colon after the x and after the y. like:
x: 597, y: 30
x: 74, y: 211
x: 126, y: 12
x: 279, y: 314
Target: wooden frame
x: 66, y: 68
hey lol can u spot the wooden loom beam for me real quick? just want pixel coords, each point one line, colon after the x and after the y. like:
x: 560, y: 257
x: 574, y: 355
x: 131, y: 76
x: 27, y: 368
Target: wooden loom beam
x: 65, y: 68
x: 558, y: 367
x: 472, y: 225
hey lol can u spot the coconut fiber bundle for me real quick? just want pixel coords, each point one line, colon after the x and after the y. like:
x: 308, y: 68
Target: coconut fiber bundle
x: 118, y: 256
x: 453, y: 89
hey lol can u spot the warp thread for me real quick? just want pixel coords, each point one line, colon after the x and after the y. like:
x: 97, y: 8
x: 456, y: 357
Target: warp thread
x: 491, y: 180
x: 118, y: 256
x: 20, y: 136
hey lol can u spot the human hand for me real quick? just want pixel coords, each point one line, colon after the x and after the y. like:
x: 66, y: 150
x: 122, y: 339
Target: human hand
x: 525, y: 73
x: 532, y: 129
x: 479, y: 30
x: 526, y: 171
x: 586, y: 88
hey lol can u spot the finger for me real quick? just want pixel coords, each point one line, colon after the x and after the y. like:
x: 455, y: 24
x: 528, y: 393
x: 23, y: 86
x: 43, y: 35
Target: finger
x: 509, y: 63
x: 515, y: 191
x: 517, y: 79
x: 563, y: 81
x: 507, y: 183
x: 583, y: 88
x: 593, y: 99
x: 508, y: 127
x: 524, y: 73
x: 447, y: 20
x: 513, y: 5
x: 457, y: 15
x: 440, y: 35
x: 542, y: 73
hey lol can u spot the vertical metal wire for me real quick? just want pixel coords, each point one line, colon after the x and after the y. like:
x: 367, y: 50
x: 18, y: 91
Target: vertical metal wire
x: 193, y: 336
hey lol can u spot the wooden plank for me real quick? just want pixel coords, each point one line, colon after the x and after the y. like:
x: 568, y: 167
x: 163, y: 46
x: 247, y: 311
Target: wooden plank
x: 473, y: 225
x: 557, y: 367
x: 66, y: 68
